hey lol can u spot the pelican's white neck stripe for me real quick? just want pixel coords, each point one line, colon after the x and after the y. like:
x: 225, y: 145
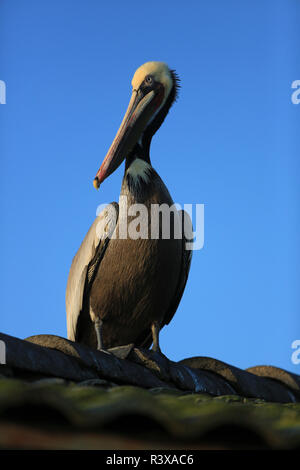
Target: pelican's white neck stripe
x: 139, y: 170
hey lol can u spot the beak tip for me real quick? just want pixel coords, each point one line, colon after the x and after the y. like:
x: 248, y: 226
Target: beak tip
x: 96, y: 183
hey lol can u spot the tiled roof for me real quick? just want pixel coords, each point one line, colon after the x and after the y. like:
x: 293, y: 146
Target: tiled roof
x: 58, y: 394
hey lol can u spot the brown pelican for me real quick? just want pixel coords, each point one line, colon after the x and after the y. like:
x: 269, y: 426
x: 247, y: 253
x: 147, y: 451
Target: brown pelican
x: 124, y: 290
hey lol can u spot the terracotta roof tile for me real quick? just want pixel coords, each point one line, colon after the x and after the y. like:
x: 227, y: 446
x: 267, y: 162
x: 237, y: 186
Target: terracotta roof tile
x: 59, y: 394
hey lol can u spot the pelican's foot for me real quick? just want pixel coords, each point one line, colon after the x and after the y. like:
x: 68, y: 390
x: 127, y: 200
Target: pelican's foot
x: 155, y: 328
x: 121, y: 352
x: 159, y: 355
x: 106, y: 351
x: 156, y: 348
x: 98, y: 329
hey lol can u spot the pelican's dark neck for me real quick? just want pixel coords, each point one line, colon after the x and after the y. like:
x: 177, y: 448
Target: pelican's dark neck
x: 139, y: 175
x: 137, y: 152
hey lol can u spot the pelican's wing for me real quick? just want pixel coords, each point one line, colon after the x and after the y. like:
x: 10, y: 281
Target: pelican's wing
x: 145, y: 339
x: 85, y: 263
x: 187, y: 237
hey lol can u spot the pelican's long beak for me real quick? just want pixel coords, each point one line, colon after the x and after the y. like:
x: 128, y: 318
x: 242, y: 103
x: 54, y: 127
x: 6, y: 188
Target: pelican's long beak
x: 140, y: 109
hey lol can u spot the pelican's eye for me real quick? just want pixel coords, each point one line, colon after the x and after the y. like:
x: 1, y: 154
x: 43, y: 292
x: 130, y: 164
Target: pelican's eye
x: 149, y: 79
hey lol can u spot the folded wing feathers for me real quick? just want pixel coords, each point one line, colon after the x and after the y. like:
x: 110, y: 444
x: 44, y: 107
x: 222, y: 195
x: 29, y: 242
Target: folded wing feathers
x: 86, y: 261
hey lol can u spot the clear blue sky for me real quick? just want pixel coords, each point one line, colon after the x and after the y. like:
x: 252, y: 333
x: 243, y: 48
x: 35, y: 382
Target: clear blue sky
x: 231, y: 142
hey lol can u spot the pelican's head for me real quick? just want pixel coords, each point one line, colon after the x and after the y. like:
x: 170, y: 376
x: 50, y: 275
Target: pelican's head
x: 154, y: 89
